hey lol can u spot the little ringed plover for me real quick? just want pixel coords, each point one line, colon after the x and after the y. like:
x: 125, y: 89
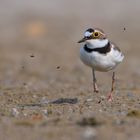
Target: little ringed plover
x: 100, y: 54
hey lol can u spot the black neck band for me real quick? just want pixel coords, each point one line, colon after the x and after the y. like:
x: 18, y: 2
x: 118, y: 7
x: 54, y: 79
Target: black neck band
x: 102, y: 50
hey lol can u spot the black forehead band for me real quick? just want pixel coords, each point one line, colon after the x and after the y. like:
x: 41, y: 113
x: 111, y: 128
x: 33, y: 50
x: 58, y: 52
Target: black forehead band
x: 90, y: 30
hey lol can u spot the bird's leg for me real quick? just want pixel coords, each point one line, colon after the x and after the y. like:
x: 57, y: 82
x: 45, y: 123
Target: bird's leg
x: 94, y: 82
x: 110, y: 98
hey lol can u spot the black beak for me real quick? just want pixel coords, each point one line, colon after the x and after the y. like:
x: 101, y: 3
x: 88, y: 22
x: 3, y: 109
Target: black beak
x: 82, y: 40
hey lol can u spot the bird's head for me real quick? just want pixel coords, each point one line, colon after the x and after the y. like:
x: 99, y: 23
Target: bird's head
x: 95, y: 37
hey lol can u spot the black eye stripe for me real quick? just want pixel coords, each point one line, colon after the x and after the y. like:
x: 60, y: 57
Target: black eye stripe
x: 89, y: 37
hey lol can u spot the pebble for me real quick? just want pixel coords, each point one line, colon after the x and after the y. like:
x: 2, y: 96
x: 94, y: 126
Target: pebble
x: 100, y: 110
x: 45, y: 112
x: 90, y: 133
x: 89, y: 100
x: 119, y: 122
x: 14, y: 112
x: 103, y: 97
x: 34, y: 96
x: 44, y: 100
x: 90, y: 107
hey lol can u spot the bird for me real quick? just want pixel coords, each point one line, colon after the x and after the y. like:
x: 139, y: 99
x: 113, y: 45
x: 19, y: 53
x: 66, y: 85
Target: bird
x: 101, y: 54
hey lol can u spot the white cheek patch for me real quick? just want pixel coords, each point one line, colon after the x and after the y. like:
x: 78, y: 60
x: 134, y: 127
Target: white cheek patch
x: 87, y: 34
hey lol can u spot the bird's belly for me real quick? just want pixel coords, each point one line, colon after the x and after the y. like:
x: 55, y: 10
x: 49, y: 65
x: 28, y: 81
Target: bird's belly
x: 100, y: 62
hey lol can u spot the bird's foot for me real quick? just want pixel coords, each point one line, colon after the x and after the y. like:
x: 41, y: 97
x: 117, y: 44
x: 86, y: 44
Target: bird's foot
x: 96, y: 90
x: 110, y: 97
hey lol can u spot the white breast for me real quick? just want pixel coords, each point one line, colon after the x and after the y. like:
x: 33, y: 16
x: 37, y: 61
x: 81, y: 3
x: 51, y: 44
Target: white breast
x: 101, y: 62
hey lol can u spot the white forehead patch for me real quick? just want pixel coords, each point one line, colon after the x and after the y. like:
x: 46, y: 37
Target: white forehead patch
x: 87, y: 34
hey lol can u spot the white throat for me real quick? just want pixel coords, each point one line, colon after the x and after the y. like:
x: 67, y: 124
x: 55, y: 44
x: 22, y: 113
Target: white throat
x: 96, y: 43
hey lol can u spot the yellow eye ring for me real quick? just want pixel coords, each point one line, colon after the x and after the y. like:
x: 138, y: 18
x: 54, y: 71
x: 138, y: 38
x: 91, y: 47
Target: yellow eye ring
x: 96, y: 34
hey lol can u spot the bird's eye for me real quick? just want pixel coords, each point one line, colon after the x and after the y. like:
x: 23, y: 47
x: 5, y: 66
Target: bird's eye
x: 96, y: 34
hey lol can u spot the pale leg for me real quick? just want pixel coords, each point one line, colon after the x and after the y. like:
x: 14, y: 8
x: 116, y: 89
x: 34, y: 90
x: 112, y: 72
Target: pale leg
x: 94, y: 82
x: 110, y: 97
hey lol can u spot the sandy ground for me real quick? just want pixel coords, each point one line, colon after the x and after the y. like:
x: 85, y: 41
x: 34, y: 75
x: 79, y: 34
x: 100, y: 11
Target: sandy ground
x: 39, y: 64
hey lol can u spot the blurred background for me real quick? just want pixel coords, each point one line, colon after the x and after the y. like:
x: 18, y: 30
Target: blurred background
x: 36, y: 36
x: 39, y: 61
